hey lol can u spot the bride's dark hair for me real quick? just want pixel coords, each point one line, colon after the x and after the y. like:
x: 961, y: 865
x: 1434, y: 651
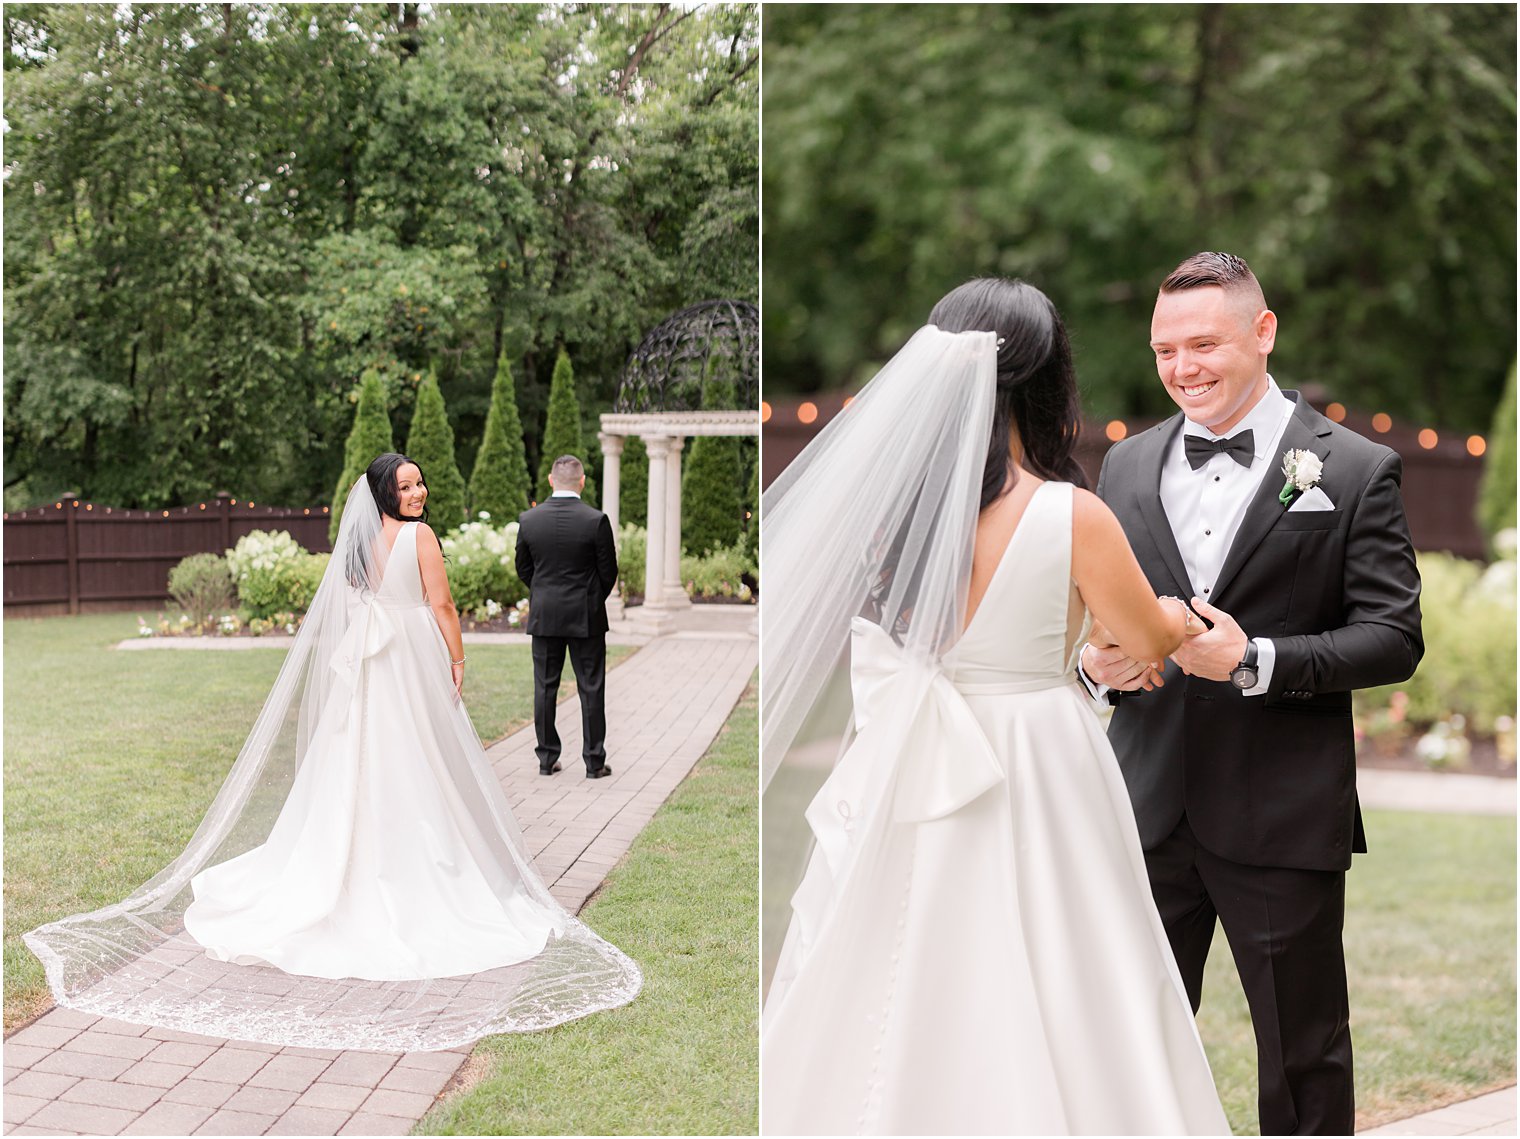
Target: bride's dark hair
x: 1036, y: 383
x: 382, y: 484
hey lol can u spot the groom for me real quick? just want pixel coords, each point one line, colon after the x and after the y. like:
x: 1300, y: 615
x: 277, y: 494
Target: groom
x: 566, y: 558
x: 1238, y: 754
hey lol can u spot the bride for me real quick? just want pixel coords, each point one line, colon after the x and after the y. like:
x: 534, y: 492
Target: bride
x: 359, y: 880
x: 973, y: 947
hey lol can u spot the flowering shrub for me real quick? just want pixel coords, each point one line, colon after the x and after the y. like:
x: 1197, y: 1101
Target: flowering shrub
x: 632, y: 543
x: 717, y: 573
x: 479, y: 560
x: 1465, y: 684
x: 274, y: 574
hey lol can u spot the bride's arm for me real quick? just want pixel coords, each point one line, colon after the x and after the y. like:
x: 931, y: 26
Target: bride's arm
x: 435, y: 581
x: 1114, y: 588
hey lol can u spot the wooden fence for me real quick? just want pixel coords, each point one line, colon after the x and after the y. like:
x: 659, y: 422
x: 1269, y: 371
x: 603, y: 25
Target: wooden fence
x: 71, y: 556
x: 1441, y: 473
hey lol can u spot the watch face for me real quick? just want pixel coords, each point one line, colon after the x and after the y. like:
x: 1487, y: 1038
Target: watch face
x: 1243, y: 678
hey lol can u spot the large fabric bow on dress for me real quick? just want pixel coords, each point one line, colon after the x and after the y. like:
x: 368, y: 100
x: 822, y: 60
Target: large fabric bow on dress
x: 370, y: 629
x: 895, y: 770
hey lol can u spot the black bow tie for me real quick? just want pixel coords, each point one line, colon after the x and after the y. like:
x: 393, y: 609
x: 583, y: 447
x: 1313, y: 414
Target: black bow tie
x: 1241, y: 447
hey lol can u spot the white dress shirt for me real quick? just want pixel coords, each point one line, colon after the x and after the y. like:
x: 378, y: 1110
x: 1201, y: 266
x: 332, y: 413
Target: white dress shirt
x: 1206, y: 506
x: 565, y: 494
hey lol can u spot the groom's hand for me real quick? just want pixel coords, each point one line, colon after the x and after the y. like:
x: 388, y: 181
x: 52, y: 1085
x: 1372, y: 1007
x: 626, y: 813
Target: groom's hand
x: 1110, y: 665
x: 1214, y: 654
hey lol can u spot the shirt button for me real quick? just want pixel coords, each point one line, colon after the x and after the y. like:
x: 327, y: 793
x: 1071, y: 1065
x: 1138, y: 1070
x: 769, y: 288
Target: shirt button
x: 1205, y: 589
x: 1206, y: 533
x: 1216, y: 478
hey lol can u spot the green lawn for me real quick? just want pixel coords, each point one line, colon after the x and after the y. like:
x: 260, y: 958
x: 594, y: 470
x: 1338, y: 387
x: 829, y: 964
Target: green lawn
x: 1430, y: 952
x: 682, y: 1059
x: 112, y: 757
x: 1430, y: 948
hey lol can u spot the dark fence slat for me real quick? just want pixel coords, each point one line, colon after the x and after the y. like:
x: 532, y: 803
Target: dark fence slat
x: 72, y: 556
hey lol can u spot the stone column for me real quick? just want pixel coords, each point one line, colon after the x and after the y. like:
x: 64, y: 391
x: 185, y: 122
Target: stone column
x: 612, y: 484
x: 674, y: 596
x: 612, y: 476
x: 658, y: 447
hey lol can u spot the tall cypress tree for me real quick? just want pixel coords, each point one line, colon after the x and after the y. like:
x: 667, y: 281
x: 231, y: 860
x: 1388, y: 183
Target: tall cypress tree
x: 431, y: 445
x: 712, y: 482
x: 562, y: 429
x: 500, y: 482
x: 633, y: 498
x: 369, y: 438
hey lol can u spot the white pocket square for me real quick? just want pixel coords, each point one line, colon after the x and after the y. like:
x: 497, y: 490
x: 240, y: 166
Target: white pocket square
x: 1312, y: 499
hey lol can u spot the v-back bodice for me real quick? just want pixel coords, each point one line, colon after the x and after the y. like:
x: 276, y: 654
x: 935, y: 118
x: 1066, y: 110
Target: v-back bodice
x: 402, y: 584
x: 1030, y: 617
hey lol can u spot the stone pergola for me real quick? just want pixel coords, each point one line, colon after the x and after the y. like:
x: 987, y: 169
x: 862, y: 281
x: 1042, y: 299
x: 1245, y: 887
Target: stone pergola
x: 660, y: 401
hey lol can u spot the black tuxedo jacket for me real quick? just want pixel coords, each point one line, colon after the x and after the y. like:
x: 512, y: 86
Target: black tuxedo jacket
x: 1271, y: 780
x: 566, y: 558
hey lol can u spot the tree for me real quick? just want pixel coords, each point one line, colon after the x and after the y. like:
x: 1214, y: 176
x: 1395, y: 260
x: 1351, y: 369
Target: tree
x: 562, y: 428
x: 1496, y: 496
x: 430, y: 444
x: 500, y: 482
x: 368, y: 439
x: 634, y: 495
x: 712, y: 482
x: 219, y: 216
x: 1108, y: 142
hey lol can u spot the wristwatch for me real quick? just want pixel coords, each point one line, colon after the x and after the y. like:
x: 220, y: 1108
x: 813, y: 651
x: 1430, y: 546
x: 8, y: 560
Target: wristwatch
x: 1243, y: 676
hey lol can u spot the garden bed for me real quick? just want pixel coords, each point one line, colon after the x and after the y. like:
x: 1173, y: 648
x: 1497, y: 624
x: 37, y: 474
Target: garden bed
x: 1482, y: 760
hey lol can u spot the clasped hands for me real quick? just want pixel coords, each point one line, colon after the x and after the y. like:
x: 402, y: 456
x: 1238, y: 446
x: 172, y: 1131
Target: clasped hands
x: 1211, y: 653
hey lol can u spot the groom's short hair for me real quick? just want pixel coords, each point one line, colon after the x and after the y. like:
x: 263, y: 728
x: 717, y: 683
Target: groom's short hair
x: 566, y: 471
x: 1219, y: 270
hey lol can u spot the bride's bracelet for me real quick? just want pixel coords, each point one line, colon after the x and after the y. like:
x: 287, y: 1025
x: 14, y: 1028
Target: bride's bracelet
x: 1189, y: 618
x: 461, y: 660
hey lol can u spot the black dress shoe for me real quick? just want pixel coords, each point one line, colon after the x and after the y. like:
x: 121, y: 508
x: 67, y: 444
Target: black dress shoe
x: 550, y: 770
x: 599, y: 772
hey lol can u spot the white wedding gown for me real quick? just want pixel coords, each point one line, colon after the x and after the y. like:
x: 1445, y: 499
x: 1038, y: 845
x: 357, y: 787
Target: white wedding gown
x: 383, y: 863
x: 974, y: 948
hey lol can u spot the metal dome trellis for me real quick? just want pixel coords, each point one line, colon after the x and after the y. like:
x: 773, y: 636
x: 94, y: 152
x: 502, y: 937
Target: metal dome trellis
x: 668, y: 368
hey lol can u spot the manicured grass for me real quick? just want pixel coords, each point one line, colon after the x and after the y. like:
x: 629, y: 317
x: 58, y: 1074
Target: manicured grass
x: 682, y: 1059
x: 112, y: 757
x: 1430, y: 947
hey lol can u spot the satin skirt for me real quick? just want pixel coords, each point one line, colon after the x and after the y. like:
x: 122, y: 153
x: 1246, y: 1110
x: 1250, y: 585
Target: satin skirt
x: 999, y: 970
x: 384, y: 863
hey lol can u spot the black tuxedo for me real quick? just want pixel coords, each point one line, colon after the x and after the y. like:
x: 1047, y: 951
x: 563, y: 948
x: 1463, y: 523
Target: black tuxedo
x: 566, y: 558
x: 1247, y: 805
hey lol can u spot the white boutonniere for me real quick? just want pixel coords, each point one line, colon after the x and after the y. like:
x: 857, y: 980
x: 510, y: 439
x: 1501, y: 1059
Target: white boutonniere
x: 1303, y: 469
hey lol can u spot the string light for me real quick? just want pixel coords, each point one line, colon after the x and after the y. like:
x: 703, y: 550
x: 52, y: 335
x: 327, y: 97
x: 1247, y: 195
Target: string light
x: 1428, y: 438
x: 1115, y: 430
x: 1336, y: 412
x: 765, y: 412
x: 1382, y: 422
x: 848, y: 400
x: 1476, y: 445
x: 807, y: 412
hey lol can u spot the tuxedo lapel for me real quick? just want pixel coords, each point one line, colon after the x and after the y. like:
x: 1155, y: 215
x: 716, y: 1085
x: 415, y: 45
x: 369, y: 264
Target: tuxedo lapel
x: 1148, y: 495
x: 1307, y: 430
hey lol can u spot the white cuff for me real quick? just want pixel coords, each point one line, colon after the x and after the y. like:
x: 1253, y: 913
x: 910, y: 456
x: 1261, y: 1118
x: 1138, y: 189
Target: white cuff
x: 1266, y: 658
x: 1094, y: 689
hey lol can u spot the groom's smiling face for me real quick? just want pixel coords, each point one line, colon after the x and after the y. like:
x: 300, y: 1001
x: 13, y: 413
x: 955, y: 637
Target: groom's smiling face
x: 1211, y: 351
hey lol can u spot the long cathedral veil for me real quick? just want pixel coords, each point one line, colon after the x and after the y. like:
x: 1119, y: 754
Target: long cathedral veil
x: 135, y: 961
x: 875, y: 520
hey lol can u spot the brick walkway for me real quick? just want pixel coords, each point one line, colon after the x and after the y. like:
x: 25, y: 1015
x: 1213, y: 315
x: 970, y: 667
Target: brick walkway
x: 70, y: 1073
x: 1491, y: 1114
